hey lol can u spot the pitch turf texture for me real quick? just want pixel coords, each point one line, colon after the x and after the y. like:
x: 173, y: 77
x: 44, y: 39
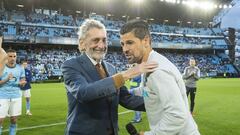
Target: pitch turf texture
x: 217, y: 110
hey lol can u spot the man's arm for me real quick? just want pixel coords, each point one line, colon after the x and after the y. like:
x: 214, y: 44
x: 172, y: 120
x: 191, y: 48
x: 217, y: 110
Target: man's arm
x: 77, y: 85
x: 30, y: 76
x: 22, y: 82
x: 10, y: 76
x: 3, y: 57
x: 185, y: 74
x: 197, y: 74
x: 130, y: 101
x: 173, y: 105
x: 82, y: 90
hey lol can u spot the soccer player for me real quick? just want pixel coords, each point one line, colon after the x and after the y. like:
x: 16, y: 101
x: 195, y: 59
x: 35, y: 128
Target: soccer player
x: 191, y: 75
x: 11, y: 80
x: 26, y: 90
x: 135, y: 82
x: 163, y: 90
x: 131, y: 84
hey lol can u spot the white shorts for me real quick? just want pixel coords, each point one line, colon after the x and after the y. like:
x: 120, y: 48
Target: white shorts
x: 26, y: 93
x: 13, y: 107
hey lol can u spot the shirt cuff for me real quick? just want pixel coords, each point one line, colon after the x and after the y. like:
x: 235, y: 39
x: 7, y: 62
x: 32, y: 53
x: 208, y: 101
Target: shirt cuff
x: 118, y: 80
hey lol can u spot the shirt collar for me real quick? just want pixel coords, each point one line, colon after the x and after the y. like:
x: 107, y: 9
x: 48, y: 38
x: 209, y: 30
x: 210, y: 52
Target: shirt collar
x: 151, y: 53
x: 93, y: 61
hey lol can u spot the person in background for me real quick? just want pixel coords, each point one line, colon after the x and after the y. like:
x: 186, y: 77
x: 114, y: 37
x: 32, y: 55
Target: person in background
x: 131, y: 84
x: 191, y: 75
x: 26, y: 90
x: 12, y: 78
x: 134, y: 83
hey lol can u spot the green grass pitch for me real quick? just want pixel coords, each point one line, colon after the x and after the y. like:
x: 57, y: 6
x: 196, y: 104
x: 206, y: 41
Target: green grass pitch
x: 217, y: 110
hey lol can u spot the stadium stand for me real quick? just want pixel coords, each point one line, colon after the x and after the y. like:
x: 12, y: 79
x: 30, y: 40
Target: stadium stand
x: 45, y: 63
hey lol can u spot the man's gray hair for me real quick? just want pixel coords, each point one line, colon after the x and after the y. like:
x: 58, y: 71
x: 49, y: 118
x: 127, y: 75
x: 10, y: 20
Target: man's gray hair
x: 87, y: 25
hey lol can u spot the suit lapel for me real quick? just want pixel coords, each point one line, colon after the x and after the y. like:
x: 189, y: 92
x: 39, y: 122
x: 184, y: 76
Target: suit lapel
x: 107, y: 69
x: 110, y: 72
x: 88, y: 67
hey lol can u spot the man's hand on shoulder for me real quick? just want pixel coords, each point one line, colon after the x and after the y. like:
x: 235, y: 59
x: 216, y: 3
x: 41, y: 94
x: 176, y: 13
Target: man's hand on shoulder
x: 140, y: 69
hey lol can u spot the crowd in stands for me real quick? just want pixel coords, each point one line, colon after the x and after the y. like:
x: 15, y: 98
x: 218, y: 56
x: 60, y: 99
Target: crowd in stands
x: 45, y: 64
x: 46, y: 32
x: 183, y: 30
x: 50, y: 19
x: 185, y: 40
x: 113, y: 26
x: 209, y: 64
x: 69, y: 20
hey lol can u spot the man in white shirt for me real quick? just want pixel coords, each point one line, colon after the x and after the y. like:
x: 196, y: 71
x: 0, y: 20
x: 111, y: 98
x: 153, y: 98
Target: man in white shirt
x: 164, y: 91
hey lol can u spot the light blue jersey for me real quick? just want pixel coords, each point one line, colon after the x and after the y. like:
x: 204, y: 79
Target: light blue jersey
x: 11, y: 88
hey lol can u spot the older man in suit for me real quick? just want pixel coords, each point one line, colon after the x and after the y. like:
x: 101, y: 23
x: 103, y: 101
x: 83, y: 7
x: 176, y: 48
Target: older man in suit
x: 94, y: 88
x: 164, y: 90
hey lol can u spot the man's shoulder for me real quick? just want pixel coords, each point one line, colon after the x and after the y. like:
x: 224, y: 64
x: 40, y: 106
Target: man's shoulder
x: 110, y: 67
x: 76, y: 63
x: 188, y: 67
x: 163, y: 62
x: 18, y: 66
x: 109, y: 64
x: 27, y: 70
x: 197, y: 68
x: 71, y: 61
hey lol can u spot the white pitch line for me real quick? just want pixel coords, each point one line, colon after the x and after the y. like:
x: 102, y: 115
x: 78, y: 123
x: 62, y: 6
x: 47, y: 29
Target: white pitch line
x: 54, y: 124
x: 40, y: 126
x: 125, y: 112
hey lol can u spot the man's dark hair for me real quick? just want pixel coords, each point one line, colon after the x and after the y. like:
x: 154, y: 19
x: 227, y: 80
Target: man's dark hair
x: 138, y: 27
x: 11, y: 51
x: 24, y: 61
x: 192, y: 58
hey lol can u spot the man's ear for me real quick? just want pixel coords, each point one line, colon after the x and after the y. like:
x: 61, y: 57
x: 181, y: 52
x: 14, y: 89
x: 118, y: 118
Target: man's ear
x: 147, y: 41
x: 81, y: 46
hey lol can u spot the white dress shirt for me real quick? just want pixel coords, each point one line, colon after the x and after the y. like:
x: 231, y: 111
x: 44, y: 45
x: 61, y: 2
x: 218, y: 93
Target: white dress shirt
x: 166, y: 101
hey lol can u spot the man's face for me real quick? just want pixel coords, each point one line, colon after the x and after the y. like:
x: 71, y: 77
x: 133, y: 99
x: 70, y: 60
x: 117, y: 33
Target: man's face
x: 12, y: 57
x: 24, y: 64
x: 133, y: 47
x: 95, y: 44
x: 192, y: 62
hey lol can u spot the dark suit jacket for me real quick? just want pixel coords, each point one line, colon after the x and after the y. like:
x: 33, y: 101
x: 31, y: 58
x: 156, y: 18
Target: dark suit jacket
x: 92, y: 101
